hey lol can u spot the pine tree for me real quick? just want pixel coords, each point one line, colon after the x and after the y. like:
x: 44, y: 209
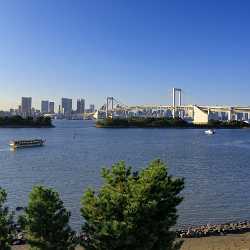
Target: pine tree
x: 132, y: 210
x: 5, y: 222
x: 46, y: 221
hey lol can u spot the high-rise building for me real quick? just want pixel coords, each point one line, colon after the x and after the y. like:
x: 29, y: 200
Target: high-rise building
x: 80, y: 106
x: 26, y: 106
x: 45, y: 107
x: 51, y: 107
x: 67, y: 107
x: 19, y: 109
x: 91, y: 108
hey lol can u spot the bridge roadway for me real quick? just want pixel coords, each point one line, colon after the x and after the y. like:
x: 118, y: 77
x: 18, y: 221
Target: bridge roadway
x: 234, y: 109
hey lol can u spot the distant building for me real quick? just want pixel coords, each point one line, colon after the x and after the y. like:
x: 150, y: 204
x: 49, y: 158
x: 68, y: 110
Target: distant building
x: 80, y: 106
x: 12, y: 112
x: 45, y: 107
x: 223, y: 116
x: 67, y: 107
x: 19, y: 109
x: 33, y: 112
x: 91, y: 108
x: 59, y: 109
x: 26, y: 106
x: 51, y: 107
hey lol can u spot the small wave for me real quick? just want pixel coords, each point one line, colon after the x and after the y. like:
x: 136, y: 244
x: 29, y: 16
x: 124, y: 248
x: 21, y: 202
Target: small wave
x: 4, y: 149
x: 239, y: 143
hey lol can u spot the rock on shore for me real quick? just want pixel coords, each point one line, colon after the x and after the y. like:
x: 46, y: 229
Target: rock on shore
x: 215, y: 230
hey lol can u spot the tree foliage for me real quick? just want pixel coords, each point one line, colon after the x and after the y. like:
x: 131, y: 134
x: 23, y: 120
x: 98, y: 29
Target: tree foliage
x: 165, y: 122
x: 46, y: 221
x: 132, y: 210
x: 142, y: 122
x: 5, y: 222
x: 18, y: 121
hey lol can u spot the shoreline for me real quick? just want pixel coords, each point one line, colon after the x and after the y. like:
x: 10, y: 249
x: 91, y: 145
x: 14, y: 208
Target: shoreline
x: 27, y: 126
x: 193, y: 232
x: 148, y: 127
x: 228, y: 242
x: 208, y: 230
x: 28, y: 122
x: 167, y: 123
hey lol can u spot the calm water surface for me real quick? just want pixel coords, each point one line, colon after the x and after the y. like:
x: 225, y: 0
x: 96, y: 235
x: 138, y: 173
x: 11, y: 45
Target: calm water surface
x: 216, y: 168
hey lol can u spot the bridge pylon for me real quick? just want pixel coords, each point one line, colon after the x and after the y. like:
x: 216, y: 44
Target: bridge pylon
x: 179, y: 91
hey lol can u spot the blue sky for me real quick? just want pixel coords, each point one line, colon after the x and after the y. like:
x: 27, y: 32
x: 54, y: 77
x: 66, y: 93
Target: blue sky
x: 135, y: 50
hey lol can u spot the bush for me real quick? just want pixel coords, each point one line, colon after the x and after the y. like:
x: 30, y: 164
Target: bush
x: 132, y: 210
x: 46, y: 221
x: 5, y: 223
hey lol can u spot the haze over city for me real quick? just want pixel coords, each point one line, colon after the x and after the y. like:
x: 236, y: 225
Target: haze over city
x: 133, y: 50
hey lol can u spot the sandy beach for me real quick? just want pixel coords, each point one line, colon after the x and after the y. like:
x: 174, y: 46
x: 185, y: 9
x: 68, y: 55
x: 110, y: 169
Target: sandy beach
x: 229, y: 242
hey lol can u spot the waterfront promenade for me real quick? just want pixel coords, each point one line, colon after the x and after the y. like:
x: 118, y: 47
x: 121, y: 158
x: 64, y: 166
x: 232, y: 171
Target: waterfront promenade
x: 229, y: 242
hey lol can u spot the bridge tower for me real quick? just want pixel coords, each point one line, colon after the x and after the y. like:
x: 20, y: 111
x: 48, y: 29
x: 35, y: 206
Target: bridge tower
x: 109, y: 105
x: 179, y: 92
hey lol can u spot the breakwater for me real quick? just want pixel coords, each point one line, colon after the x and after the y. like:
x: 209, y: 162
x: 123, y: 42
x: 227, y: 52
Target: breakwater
x: 215, y: 230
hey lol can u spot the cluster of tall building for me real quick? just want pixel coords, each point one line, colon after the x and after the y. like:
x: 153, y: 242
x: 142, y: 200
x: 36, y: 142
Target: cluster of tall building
x: 47, y: 107
x: 26, y: 109
x: 65, y: 109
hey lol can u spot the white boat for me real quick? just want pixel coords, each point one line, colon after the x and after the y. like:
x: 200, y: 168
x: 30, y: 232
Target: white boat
x: 26, y: 143
x: 209, y: 132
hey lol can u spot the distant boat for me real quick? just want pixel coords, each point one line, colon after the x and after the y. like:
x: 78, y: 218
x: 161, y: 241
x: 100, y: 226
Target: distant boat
x: 209, y: 132
x: 26, y: 143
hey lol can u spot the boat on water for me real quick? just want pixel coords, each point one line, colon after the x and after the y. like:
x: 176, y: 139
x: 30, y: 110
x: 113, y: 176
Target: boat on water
x: 26, y: 143
x: 209, y: 132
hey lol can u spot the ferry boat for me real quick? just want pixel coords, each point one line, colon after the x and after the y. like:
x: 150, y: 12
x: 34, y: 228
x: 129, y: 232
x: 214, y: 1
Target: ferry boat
x: 209, y: 132
x: 26, y: 143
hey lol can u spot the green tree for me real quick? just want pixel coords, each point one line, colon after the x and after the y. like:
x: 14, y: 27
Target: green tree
x: 5, y: 222
x: 46, y: 221
x: 132, y: 210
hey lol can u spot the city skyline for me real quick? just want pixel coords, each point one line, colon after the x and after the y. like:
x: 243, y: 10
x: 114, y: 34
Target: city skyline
x: 50, y: 104
x: 59, y: 48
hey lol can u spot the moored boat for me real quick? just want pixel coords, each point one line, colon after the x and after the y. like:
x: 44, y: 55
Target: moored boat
x: 209, y: 132
x: 26, y: 143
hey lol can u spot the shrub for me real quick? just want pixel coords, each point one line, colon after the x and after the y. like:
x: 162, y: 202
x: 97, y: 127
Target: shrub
x: 132, y: 210
x: 46, y: 221
x: 5, y: 222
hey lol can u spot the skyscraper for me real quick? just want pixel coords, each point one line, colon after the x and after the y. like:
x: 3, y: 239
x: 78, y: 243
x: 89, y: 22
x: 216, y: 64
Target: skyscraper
x: 45, y: 107
x: 91, y: 108
x: 67, y: 107
x: 80, y: 106
x: 26, y: 106
x: 51, y: 107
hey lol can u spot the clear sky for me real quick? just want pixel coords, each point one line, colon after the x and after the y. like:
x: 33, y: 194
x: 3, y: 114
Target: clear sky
x: 135, y: 50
